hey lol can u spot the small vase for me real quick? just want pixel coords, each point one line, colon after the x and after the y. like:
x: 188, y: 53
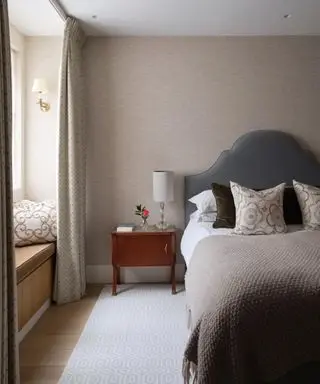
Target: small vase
x: 144, y: 224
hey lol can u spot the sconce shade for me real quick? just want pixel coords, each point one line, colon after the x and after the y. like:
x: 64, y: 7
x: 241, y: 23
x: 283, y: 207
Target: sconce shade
x: 40, y: 86
x: 163, y: 186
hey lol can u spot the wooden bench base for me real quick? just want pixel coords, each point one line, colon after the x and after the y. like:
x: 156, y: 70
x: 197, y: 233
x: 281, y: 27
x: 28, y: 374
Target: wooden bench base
x: 35, y: 270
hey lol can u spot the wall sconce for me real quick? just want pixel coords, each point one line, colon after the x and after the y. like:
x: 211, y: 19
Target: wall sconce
x: 40, y: 87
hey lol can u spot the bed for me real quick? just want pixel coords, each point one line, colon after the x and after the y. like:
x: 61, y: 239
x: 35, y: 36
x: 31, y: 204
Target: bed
x: 197, y: 231
x: 251, y: 352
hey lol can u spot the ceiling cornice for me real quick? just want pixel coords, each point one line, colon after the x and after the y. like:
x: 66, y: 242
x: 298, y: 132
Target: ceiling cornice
x: 59, y: 9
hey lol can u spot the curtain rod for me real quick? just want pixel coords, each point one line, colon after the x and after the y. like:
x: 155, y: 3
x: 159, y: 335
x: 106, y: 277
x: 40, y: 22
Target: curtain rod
x: 59, y: 8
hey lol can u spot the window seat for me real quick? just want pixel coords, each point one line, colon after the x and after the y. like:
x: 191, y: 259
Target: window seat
x: 29, y: 258
x: 34, y: 268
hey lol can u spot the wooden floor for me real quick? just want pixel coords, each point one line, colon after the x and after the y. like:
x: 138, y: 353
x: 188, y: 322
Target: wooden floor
x: 46, y: 349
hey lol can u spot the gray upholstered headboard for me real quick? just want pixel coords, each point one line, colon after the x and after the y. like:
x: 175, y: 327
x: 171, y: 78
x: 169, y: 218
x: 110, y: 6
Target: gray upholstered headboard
x: 258, y: 160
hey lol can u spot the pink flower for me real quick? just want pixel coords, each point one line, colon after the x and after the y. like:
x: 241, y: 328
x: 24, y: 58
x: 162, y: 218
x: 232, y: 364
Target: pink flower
x: 145, y: 213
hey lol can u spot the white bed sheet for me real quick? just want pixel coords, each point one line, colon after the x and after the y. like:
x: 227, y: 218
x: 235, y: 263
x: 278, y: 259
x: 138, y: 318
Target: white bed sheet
x: 196, y: 231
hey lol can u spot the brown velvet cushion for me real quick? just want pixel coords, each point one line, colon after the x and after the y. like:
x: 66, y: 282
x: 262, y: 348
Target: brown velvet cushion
x: 291, y: 208
x: 226, y: 212
x: 226, y: 216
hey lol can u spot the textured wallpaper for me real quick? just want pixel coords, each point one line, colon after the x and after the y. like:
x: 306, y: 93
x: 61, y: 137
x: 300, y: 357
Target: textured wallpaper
x: 176, y: 103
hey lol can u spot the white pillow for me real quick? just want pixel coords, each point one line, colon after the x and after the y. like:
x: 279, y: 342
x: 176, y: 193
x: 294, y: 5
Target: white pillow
x: 205, y: 201
x: 207, y: 217
x: 34, y: 223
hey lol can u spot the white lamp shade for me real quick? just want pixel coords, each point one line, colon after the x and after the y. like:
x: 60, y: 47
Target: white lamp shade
x: 40, y: 86
x: 163, y: 186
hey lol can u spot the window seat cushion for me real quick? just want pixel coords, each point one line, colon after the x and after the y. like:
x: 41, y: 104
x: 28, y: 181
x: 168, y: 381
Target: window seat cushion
x: 30, y: 257
x: 34, y: 222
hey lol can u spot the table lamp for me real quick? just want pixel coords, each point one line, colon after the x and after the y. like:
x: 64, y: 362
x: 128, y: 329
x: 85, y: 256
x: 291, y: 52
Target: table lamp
x: 162, y: 192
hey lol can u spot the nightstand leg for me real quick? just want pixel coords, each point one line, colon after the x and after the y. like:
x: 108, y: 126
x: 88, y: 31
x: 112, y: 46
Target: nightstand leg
x: 173, y: 279
x: 118, y: 275
x: 114, y: 280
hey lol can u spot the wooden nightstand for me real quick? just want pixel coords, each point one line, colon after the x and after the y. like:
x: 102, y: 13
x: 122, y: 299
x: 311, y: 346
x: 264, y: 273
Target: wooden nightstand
x: 143, y: 249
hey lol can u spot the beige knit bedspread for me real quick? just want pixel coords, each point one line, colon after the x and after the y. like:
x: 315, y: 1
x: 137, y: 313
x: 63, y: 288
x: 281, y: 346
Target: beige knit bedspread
x: 255, y: 307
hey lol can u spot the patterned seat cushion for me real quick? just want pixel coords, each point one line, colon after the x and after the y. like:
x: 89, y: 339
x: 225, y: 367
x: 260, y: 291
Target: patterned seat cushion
x: 309, y: 200
x: 34, y: 223
x: 258, y: 212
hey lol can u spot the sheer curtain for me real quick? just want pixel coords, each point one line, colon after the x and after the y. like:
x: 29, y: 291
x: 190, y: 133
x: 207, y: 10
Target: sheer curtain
x: 8, y: 324
x: 70, y: 280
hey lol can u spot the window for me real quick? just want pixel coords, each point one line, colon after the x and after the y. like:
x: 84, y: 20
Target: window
x: 17, y: 134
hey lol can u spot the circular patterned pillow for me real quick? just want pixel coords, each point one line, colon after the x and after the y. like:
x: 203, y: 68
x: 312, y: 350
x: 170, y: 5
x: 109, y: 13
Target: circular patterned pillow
x: 34, y: 222
x: 309, y: 200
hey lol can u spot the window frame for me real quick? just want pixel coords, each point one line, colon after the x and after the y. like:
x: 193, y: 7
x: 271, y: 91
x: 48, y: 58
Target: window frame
x: 17, y: 123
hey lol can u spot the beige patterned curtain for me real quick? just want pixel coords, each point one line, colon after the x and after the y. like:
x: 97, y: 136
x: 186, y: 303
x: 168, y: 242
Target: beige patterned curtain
x: 70, y: 280
x: 8, y: 325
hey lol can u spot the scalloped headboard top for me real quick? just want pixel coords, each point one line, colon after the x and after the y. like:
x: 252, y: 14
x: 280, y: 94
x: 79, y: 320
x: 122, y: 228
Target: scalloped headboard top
x: 258, y: 160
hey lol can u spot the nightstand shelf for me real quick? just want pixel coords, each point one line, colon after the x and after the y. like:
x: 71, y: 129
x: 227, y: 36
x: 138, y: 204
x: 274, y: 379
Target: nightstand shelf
x: 143, y: 249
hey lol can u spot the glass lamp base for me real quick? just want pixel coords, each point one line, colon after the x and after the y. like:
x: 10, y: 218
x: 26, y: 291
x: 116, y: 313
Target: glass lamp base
x: 162, y: 226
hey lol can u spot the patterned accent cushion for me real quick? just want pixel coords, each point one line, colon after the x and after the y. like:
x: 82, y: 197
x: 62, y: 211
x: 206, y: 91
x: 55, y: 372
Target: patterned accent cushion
x: 226, y: 215
x: 258, y: 212
x: 309, y: 200
x: 225, y: 206
x: 34, y: 223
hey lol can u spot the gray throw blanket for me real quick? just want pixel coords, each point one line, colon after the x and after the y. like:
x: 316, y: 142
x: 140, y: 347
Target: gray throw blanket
x: 255, y: 307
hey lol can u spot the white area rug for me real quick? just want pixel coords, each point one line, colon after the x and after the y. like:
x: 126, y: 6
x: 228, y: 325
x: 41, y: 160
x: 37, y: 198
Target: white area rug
x: 137, y: 337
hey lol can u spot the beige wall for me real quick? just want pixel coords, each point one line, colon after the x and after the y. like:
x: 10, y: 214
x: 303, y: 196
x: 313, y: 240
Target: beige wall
x: 176, y: 103
x: 43, y: 56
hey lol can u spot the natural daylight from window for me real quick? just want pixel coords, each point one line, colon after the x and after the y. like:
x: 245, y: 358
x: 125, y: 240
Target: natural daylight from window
x: 17, y: 135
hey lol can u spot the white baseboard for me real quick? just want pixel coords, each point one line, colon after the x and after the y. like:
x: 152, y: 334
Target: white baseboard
x: 33, y: 321
x: 102, y: 274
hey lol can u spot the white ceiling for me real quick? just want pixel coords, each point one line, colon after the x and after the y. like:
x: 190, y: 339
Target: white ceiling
x: 172, y: 17
x: 35, y: 17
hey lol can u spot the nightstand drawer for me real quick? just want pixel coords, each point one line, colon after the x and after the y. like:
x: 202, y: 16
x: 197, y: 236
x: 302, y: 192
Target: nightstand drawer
x: 137, y: 250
